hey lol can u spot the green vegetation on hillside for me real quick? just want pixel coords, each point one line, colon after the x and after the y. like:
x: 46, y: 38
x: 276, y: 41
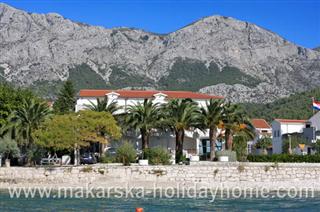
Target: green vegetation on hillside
x: 189, y: 74
x: 120, y: 78
x: 2, y: 79
x: 296, y: 106
x: 317, y: 49
x: 46, y: 89
x: 83, y: 77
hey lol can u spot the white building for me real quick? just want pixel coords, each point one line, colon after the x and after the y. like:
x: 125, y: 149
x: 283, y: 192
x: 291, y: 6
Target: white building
x: 281, y: 127
x: 195, y: 143
x: 262, y: 129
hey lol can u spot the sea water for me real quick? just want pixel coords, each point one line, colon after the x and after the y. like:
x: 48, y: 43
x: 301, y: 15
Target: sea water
x: 158, y: 204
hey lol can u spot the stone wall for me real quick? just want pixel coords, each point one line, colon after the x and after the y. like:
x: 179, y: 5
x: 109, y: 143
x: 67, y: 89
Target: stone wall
x: 201, y: 174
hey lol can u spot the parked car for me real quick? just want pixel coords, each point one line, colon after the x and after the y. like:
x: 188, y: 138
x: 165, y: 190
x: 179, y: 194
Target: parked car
x: 88, y: 158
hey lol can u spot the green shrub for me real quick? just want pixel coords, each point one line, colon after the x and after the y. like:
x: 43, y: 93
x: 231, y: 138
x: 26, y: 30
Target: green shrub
x: 8, y: 147
x: 126, y: 154
x: 107, y: 159
x: 240, y: 147
x: 231, y: 154
x: 157, y: 156
x: 285, y: 158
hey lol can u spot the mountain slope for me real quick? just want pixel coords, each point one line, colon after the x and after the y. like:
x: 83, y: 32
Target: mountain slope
x: 216, y: 54
x: 296, y: 106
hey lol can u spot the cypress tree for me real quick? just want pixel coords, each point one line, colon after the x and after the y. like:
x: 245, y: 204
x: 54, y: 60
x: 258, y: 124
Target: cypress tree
x: 66, y: 99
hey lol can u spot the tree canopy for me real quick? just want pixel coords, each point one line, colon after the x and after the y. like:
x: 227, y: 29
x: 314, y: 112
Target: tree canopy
x: 65, y: 131
x: 11, y: 99
x: 66, y: 99
x: 296, y: 106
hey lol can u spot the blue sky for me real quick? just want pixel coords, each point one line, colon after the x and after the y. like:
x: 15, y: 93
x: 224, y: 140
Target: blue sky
x: 296, y: 20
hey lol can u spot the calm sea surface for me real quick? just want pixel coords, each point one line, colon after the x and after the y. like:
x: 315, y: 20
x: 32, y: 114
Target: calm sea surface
x: 158, y: 204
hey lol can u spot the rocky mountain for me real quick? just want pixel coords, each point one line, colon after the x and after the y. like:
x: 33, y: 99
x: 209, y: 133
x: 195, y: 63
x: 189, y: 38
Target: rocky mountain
x: 216, y: 54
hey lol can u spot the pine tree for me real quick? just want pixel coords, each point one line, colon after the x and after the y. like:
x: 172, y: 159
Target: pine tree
x: 66, y: 99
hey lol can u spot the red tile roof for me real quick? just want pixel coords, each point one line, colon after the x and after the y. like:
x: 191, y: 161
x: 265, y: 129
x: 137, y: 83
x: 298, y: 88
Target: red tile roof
x: 260, y: 123
x: 291, y: 120
x: 148, y: 94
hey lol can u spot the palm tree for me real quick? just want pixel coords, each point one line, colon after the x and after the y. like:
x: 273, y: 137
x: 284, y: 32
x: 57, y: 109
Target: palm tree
x: 103, y: 105
x: 144, y: 117
x: 27, y: 118
x: 234, y: 121
x: 211, y: 117
x: 181, y: 115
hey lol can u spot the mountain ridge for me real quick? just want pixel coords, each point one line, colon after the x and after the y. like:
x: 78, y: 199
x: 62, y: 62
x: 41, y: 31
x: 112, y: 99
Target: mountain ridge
x: 215, y: 54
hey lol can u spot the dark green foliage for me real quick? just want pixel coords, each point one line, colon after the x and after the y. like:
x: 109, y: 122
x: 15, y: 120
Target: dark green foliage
x: 212, y: 114
x: 157, y: 156
x: 120, y: 78
x: 27, y: 118
x: 295, y: 141
x: 46, y: 89
x: 264, y: 143
x: 316, y: 146
x: 126, y: 154
x: 181, y: 115
x: 107, y: 159
x: 103, y: 105
x: 189, y: 74
x: 8, y: 147
x: 285, y: 158
x: 240, y: 146
x: 317, y: 49
x: 144, y: 117
x: 83, y: 77
x: 10, y: 99
x: 2, y: 79
x: 296, y: 106
x: 66, y: 99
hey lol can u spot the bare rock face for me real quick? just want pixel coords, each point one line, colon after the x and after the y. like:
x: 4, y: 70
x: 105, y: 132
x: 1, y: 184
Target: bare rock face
x: 216, y: 54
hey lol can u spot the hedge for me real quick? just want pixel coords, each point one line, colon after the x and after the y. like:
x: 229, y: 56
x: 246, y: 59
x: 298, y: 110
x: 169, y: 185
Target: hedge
x: 285, y: 158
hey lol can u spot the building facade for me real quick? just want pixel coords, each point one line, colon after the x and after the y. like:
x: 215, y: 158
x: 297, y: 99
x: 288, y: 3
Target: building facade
x: 281, y: 127
x: 196, y: 142
x: 263, y: 129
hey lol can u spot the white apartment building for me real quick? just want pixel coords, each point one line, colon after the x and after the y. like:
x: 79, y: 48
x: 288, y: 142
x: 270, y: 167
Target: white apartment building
x: 196, y: 142
x: 284, y: 126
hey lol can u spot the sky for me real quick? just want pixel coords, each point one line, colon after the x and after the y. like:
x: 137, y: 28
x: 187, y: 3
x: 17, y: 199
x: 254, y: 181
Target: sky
x: 296, y: 20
